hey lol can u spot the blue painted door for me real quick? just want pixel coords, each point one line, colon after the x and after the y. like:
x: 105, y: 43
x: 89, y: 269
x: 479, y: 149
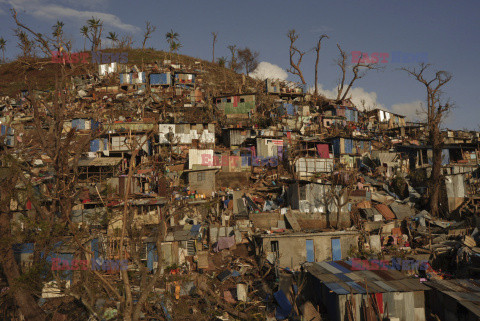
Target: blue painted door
x: 310, y: 251
x: 336, y: 250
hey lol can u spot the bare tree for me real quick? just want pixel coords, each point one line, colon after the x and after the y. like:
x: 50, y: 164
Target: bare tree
x: 214, y: 35
x: 317, y: 50
x: 294, y: 52
x: 222, y: 61
x: 233, y: 64
x: 359, y: 70
x: 248, y: 59
x: 336, y: 196
x: 3, y: 43
x: 437, y: 109
x: 43, y: 41
x: 125, y: 42
x: 149, y: 29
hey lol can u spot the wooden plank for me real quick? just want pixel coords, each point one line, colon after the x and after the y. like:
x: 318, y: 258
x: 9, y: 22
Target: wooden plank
x: 293, y: 222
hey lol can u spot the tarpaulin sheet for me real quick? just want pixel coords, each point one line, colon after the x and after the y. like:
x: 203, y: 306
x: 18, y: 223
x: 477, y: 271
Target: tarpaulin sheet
x: 284, y: 306
x: 323, y: 150
x: 225, y: 242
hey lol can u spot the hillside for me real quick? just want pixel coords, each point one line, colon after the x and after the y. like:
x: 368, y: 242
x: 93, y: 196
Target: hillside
x: 40, y: 73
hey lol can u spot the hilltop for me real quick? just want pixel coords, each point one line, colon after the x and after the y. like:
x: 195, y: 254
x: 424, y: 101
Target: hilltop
x: 41, y: 73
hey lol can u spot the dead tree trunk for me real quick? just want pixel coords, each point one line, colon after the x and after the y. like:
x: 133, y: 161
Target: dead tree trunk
x: 436, y: 111
x: 435, y: 176
x: 317, y: 50
x: 214, y: 34
x: 294, y: 51
x: 23, y: 298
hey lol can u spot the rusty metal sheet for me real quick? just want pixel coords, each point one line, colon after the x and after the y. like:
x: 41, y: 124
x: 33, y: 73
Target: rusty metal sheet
x: 385, y: 211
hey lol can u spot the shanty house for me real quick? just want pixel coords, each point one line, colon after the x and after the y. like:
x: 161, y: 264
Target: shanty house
x: 184, y: 78
x: 293, y: 249
x: 350, y: 145
x: 331, y: 121
x: 310, y: 197
x: 237, y: 105
x: 306, y: 167
x: 187, y: 134
x: 9, y: 134
x: 267, y: 147
x: 133, y: 78
x: 160, y: 79
x: 105, y: 69
x: 98, y: 169
x: 284, y: 88
x: 349, y: 294
x: 386, y: 119
x: 236, y: 136
x: 202, y: 180
x: 350, y: 113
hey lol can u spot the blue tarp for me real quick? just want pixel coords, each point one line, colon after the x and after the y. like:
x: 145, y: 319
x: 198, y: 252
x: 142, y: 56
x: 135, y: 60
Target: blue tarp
x: 445, y: 157
x: 7, y: 130
x: 95, y: 145
x: 265, y: 161
x: 284, y: 306
x: 95, y: 249
x: 310, y: 251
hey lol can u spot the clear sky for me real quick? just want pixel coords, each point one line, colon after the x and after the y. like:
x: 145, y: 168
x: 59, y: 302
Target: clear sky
x: 448, y: 31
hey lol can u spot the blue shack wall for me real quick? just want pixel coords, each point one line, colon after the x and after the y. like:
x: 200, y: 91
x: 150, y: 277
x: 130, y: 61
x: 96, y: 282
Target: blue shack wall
x: 348, y: 145
x: 336, y: 147
x: 161, y: 79
x: 445, y: 157
x: 152, y: 255
x: 7, y: 130
x: 81, y: 124
x: 28, y: 248
x: 95, y: 249
x: 95, y: 145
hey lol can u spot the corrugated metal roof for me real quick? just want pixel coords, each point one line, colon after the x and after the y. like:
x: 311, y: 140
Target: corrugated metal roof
x: 329, y: 268
x: 464, y: 291
x: 335, y: 287
x: 401, y: 211
x: 385, y: 286
x: 387, y: 157
x: 370, y: 212
x: 100, y: 161
x: 339, y: 278
x: 340, y: 267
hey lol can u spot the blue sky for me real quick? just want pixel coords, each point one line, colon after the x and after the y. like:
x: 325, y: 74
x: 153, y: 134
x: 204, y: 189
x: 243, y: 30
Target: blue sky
x: 447, y: 31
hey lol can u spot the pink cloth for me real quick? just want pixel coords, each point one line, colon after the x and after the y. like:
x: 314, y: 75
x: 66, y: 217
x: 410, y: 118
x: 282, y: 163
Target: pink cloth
x: 225, y: 242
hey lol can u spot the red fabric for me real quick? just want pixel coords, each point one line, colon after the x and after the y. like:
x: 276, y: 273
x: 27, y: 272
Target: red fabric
x: 323, y: 151
x: 236, y: 99
x: 379, y: 298
x: 29, y: 205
